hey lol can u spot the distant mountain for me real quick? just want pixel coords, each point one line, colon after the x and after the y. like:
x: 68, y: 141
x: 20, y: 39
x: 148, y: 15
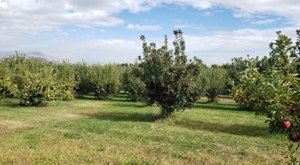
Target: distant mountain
x: 30, y: 54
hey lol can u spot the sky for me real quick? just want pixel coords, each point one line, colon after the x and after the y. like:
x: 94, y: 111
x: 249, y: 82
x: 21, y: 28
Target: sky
x: 108, y: 31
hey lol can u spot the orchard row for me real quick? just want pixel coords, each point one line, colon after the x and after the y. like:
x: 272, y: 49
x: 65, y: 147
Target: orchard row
x: 35, y: 81
x: 163, y: 76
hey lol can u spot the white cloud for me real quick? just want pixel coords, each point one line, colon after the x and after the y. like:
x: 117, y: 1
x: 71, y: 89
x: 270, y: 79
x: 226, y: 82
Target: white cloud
x: 265, y: 21
x: 289, y: 9
x: 143, y: 27
x: 213, y: 48
x: 105, y: 50
x: 220, y: 47
x: 35, y: 16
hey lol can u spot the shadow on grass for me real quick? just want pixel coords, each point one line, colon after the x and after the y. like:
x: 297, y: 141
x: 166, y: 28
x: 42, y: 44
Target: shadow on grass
x: 118, y: 100
x: 235, y: 129
x: 86, y: 97
x: 114, y: 98
x: 129, y: 105
x: 14, y: 105
x: 121, y: 116
x: 10, y: 103
x: 228, y: 107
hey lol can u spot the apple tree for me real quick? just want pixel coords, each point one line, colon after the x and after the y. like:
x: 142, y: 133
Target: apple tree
x: 132, y: 83
x: 275, y: 92
x: 247, y: 90
x: 170, y: 79
x: 33, y: 78
x: 7, y: 88
x: 65, y: 81
x: 105, y: 80
x: 216, y: 81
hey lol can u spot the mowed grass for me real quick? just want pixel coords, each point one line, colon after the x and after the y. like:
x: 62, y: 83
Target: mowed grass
x: 88, y: 131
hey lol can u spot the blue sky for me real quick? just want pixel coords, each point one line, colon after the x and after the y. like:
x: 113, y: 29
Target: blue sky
x: 107, y: 31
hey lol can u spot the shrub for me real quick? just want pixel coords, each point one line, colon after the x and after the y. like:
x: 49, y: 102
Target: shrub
x: 168, y: 76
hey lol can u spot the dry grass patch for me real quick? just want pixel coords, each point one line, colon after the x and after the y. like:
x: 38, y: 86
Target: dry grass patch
x: 12, y: 124
x: 7, y: 126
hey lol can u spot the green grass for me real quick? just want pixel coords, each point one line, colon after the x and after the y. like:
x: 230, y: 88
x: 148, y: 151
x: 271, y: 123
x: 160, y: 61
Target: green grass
x: 87, y: 131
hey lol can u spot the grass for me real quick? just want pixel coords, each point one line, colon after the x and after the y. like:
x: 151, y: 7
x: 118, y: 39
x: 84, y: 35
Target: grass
x: 87, y: 131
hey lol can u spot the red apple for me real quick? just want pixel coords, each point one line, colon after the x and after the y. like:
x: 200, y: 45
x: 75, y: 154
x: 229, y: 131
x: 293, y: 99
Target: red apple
x: 294, y: 137
x: 291, y: 110
x: 285, y: 124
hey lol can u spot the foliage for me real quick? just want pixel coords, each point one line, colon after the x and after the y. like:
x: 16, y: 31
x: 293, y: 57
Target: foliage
x: 275, y: 93
x: 238, y: 65
x: 168, y: 76
x: 99, y: 80
x: 33, y: 78
x: 216, y: 82
x: 7, y: 88
x: 35, y: 81
x: 35, y: 89
x: 83, y: 77
x: 247, y: 91
x: 283, y: 104
x: 132, y: 83
x: 65, y: 81
x: 105, y: 80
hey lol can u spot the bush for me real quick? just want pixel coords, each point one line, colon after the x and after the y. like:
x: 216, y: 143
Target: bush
x: 168, y: 76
